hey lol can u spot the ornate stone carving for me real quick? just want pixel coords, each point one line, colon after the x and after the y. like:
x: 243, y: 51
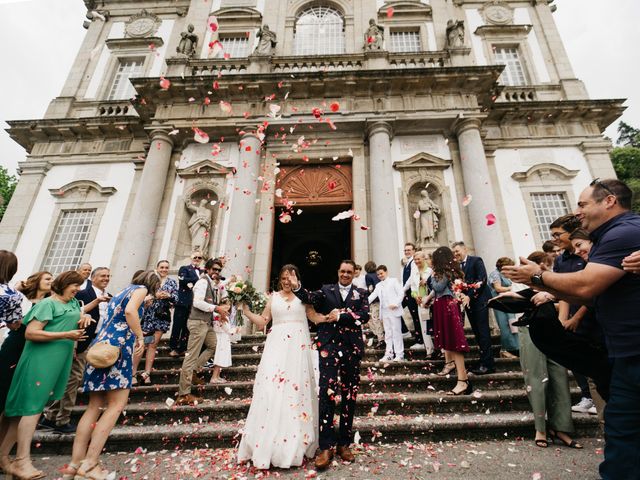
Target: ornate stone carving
x: 549, y: 171
x: 428, y: 219
x: 455, y: 34
x: 267, y: 41
x: 82, y: 187
x: 497, y: 13
x: 143, y: 24
x: 188, y: 42
x: 318, y: 185
x: 374, y: 36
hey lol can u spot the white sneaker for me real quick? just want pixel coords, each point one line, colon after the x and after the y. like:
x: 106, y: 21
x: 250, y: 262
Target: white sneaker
x: 593, y: 411
x: 583, y: 405
x: 386, y: 358
x: 417, y: 347
x: 406, y: 335
x: 398, y: 359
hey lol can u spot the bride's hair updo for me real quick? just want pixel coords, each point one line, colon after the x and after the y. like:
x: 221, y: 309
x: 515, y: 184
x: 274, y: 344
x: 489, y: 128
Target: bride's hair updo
x: 290, y: 267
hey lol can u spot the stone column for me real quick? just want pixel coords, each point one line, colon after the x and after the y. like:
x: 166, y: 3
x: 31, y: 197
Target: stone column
x: 140, y: 230
x: 244, y: 210
x: 384, y: 227
x: 487, y: 239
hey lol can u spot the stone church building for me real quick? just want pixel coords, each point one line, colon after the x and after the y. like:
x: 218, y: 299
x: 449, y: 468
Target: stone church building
x: 304, y: 131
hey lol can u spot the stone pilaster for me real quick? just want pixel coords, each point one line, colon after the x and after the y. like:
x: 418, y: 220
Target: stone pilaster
x: 139, y: 232
x: 384, y: 227
x: 596, y: 152
x: 17, y: 213
x: 488, y: 240
x: 244, y: 210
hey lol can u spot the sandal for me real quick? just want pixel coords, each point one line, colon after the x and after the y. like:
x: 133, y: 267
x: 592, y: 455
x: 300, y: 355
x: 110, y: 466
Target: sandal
x: 218, y: 380
x: 134, y: 380
x: 31, y: 474
x: 448, y: 368
x: 541, y: 442
x: 146, y: 377
x: 69, y: 471
x: 467, y: 391
x: 93, y: 472
x: 572, y: 444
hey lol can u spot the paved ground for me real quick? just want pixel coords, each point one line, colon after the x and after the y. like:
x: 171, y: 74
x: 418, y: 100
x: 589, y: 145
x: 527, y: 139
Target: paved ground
x: 495, y: 460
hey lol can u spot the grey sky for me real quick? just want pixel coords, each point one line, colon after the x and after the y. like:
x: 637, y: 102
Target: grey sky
x: 39, y: 40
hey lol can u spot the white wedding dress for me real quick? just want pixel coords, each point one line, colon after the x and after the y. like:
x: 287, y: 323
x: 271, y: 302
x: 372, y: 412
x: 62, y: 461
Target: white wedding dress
x: 282, y: 424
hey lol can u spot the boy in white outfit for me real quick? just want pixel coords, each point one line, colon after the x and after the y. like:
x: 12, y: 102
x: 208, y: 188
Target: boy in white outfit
x: 389, y: 292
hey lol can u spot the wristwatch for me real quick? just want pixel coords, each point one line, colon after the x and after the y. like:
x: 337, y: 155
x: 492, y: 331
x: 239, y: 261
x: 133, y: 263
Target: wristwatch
x: 536, y: 279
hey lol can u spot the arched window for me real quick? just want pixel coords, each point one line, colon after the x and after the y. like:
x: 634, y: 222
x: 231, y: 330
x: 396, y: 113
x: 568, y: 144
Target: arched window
x: 319, y: 30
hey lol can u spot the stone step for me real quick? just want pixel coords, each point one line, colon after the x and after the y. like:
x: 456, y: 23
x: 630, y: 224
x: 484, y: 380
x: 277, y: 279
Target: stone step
x: 379, y: 429
x: 429, y: 402
x: 378, y: 383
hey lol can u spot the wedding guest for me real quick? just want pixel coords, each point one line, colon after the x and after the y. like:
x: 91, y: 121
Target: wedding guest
x: 188, y: 275
x: 53, y: 327
x: 418, y: 286
x: 477, y: 310
x: 448, y: 326
x: 208, y: 293
x: 498, y: 283
x: 85, y: 270
x: 359, y: 278
x: 547, y: 384
x: 375, y: 322
x: 408, y: 301
x: 389, y: 292
x: 156, y: 319
x: 551, y: 248
x: 109, y: 387
x: 10, y: 298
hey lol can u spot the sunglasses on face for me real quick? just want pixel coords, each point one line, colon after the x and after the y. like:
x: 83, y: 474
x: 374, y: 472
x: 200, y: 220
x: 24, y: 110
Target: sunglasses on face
x: 197, y: 258
x: 217, y: 270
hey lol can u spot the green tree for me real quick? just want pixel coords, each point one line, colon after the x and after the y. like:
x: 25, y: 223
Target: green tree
x: 628, y: 136
x: 7, y: 186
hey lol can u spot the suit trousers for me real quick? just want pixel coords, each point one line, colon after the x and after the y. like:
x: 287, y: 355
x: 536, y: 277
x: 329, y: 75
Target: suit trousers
x: 200, y: 333
x: 60, y: 410
x: 412, y: 306
x: 622, y: 422
x: 347, y: 368
x: 547, y: 386
x: 179, y: 331
x: 478, y: 313
x: 393, y: 334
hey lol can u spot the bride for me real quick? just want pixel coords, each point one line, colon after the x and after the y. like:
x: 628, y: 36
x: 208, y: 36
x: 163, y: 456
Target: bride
x: 282, y: 424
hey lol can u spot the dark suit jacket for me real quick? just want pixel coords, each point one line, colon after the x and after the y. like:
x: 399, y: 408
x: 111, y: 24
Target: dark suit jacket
x: 86, y: 296
x: 474, y: 271
x: 188, y: 275
x: 347, y: 331
x: 406, y: 272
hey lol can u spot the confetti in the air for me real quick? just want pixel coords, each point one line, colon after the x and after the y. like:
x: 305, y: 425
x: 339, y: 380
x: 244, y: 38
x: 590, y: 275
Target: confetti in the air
x: 491, y: 219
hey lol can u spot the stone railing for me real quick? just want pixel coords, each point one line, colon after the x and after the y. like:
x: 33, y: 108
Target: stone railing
x: 216, y: 66
x: 317, y: 64
x: 115, y: 108
x: 517, y: 94
x: 419, y: 60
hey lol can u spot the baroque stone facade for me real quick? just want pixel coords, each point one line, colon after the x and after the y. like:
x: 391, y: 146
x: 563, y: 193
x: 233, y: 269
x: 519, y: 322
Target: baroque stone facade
x: 175, y: 105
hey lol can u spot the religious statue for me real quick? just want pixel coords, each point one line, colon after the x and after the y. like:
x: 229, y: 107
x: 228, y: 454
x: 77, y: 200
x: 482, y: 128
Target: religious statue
x: 427, y: 223
x: 267, y: 41
x: 200, y: 226
x: 374, y: 36
x: 455, y: 33
x: 188, y: 42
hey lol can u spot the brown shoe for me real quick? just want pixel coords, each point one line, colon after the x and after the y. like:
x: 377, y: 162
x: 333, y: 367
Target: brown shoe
x: 323, y: 459
x: 188, y: 399
x: 197, y: 380
x: 345, y: 454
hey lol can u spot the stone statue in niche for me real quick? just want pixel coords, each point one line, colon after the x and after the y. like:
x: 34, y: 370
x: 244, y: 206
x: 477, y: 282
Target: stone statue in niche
x: 374, y: 36
x: 199, y: 225
x: 188, y: 42
x: 267, y: 41
x: 428, y: 221
x: 455, y: 33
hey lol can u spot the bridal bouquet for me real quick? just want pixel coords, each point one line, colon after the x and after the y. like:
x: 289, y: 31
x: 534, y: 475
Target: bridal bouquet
x: 238, y: 292
x: 459, y: 288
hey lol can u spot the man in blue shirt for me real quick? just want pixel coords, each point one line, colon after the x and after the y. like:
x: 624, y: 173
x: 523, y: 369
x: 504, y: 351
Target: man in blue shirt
x: 604, y: 210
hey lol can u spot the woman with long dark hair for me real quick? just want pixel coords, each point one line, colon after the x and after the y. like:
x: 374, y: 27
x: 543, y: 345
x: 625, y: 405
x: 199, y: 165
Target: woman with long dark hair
x: 448, y: 326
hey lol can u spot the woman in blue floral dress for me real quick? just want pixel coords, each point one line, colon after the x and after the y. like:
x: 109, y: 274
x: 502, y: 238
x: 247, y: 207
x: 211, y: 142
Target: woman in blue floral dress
x: 156, y: 320
x: 109, y: 387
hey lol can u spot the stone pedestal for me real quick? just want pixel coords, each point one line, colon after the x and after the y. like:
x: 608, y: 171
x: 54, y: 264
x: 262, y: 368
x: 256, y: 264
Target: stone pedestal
x: 487, y: 239
x: 140, y: 230
x: 244, y: 210
x: 384, y: 228
x: 460, y: 56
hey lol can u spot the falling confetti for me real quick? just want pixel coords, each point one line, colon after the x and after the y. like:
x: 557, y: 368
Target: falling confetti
x: 491, y: 219
x: 335, y: 106
x: 466, y: 200
x: 200, y: 136
x: 164, y: 83
x: 389, y: 12
x: 225, y: 107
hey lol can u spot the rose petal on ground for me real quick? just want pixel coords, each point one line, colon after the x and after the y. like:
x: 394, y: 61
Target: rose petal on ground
x: 491, y: 219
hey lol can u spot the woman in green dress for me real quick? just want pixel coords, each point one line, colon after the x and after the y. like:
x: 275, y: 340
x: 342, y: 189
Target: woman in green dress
x: 43, y: 370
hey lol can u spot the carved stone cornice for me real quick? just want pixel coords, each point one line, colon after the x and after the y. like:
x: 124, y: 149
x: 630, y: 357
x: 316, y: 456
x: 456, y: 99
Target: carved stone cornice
x: 378, y: 126
x: 422, y: 160
x: 83, y: 187
x: 543, y: 170
x: 511, y: 31
x: 31, y: 167
x: 204, y: 168
x: 466, y: 123
x: 133, y: 42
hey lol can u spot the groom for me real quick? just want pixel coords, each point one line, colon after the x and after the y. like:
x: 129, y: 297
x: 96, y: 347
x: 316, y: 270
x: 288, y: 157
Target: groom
x: 341, y: 348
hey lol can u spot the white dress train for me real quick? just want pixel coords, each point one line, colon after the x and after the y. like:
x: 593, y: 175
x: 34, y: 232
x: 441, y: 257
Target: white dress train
x: 282, y: 424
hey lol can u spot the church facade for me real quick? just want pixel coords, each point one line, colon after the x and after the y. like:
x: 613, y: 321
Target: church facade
x: 300, y: 131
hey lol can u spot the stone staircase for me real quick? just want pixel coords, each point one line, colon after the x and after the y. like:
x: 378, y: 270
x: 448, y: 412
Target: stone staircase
x: 397, y: 401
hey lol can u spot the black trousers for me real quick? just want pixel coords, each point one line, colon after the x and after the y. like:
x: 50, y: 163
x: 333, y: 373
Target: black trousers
x: 478, y: 313
x: 332, y: 366
x: 10, y: 353
x: 412, y: 305
x: 578, y: 353
x: 179, y: 333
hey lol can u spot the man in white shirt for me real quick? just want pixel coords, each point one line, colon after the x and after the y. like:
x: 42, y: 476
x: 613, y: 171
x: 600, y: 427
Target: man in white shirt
x: 85, y: 270
x: 390, y: 293
x: 208, y: 292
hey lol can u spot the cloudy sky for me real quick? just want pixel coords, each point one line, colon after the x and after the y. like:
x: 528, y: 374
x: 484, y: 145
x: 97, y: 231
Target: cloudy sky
x: 39, y: 40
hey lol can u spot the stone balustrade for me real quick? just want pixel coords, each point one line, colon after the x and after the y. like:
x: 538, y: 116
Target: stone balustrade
x: 517, y: 94
x: 419, y: 60
x: 115, y: 109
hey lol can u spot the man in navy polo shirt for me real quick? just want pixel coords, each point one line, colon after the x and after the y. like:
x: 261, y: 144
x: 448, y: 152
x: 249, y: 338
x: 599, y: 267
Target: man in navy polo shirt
x: 604, y: 210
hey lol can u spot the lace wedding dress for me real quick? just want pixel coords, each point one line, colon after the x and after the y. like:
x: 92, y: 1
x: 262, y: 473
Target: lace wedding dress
x: 282, y: 424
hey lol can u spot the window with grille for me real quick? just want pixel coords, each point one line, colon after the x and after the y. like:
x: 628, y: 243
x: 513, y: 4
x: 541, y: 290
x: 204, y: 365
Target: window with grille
x: 236, y: 46
x: 513, y: 74
x: 127, y: 68
x: 546, y: 208
x: 405, y: 41
x: 69, y: 242
x: 319, y: 31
